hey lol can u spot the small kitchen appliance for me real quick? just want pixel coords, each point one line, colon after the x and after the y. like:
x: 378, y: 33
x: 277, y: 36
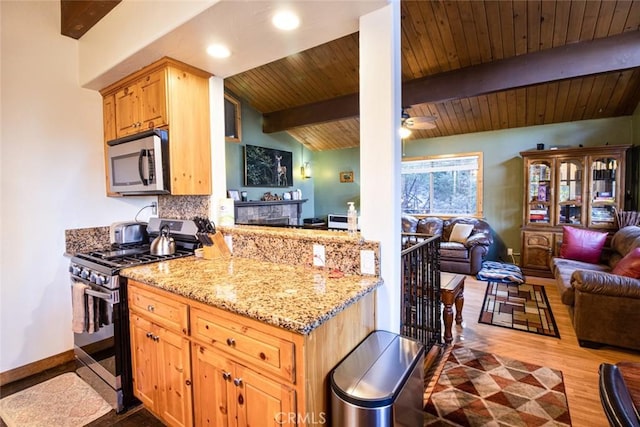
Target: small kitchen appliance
x: 103, y: 356
x: 128, y: 232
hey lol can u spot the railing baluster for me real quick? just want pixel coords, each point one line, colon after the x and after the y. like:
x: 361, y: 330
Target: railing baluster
x: 420, y: 311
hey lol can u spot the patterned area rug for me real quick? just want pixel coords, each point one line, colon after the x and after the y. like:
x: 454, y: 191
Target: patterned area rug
x: 63, y: 401
x: 521, y: 307
x: 482, y: 389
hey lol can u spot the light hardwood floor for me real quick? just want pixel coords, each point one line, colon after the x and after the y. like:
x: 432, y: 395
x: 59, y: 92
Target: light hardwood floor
x: 579, y: 365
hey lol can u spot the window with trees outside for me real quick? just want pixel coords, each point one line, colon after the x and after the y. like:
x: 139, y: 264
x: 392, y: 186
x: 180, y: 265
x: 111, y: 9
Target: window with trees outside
x: 442, y: 185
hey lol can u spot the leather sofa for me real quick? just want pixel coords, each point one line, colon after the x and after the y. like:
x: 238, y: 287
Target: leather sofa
x: 604, y: 307
x: 455, y: 257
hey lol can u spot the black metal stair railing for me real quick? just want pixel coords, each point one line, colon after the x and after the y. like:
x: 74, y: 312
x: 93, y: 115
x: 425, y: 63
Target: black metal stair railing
x: 421, y: 311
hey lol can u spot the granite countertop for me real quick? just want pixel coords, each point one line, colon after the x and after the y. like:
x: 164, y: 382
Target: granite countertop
x: 291, y: 297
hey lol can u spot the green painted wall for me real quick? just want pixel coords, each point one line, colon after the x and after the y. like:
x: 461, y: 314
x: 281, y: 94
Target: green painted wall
x: 252, y: 135
x: 503, y: 174
x: 502, y: 167
x: 331, y: 195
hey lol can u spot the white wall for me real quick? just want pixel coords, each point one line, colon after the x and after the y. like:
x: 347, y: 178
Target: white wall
x: 51, y: 179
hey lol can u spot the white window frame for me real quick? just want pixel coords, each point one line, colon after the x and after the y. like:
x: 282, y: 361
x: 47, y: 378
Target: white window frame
x: 479, y: 181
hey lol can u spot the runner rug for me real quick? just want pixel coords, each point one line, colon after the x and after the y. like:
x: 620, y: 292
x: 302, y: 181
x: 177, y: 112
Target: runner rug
x: 522, y: 307
x: 482, y: 389
x: 65, y: 400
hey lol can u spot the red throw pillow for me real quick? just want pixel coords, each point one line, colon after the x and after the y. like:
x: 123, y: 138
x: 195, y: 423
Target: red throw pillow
x: 629, y: 265
x: 582, y: 245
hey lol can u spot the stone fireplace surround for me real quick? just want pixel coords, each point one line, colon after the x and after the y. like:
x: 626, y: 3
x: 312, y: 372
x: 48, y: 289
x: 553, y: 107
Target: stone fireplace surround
x: 277, y: 212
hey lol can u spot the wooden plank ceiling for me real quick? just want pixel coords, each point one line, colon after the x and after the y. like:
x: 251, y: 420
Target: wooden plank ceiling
x: 449, y: 50
x: 440, y: 37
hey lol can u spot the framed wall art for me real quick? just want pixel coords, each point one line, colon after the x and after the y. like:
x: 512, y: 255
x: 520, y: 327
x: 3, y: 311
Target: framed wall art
x: 346, y: 176
x: 267, y: 167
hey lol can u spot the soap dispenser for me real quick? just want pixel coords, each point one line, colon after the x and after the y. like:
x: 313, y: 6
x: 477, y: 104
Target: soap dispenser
x: 352, y: 219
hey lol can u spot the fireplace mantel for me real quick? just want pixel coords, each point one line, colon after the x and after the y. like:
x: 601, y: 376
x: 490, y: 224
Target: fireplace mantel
x: 263, y: 212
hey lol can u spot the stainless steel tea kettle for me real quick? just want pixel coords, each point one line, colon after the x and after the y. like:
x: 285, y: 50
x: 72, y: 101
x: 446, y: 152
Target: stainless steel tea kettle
x: 164, y: 243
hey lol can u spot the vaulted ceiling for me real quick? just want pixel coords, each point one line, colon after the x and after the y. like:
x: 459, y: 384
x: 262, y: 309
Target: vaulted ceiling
x: 474, y: 65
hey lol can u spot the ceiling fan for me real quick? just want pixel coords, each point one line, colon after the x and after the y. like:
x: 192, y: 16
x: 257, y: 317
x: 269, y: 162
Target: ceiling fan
x: 417, y: 122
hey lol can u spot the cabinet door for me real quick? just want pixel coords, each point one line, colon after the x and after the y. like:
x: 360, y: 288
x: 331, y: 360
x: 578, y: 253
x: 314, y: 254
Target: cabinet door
x: 214, y: 403
x: 539, y: 192
x: 153, y: 101
x: 174, y: 377
x: 537, y: 247
x: 143, y: 360
x: 127, y: 111
x: 109, y: 117
x: 570, y: 192
x: 605, y: 191
x: 262, y: 402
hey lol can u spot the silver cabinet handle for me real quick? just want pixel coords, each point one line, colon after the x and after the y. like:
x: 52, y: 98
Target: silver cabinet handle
x: 150, y: 307
x: 237, y: 382
x: 149, y: 334
x: 231, y: 342
x: 226, y: 376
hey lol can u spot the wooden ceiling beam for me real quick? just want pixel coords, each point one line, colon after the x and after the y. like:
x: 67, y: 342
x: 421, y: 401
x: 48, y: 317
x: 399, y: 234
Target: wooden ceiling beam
x: 598, y: 56
x: 78, y: 16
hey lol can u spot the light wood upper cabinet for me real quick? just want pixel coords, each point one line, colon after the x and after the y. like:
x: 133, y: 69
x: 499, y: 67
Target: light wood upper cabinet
x: 142, y: 105
x: 171, y: 95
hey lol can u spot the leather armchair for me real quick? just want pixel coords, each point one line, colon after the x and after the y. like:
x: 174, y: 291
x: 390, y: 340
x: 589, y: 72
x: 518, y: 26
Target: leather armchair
x: 455, y: 257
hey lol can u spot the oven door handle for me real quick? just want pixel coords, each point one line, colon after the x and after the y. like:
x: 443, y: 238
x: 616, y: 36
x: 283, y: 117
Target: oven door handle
x: 102, y: 295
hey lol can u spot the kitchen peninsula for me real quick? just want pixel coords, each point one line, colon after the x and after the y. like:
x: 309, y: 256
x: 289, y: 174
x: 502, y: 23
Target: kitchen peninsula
x: 242, y: 337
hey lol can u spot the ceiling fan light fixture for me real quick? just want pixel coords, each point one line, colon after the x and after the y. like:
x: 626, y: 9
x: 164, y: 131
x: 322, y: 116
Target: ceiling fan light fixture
x: 404, y: 132
x: 422, y: 122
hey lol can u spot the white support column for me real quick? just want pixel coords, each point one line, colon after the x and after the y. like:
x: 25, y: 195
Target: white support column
x: 218, y: 170
x: 380, y: 108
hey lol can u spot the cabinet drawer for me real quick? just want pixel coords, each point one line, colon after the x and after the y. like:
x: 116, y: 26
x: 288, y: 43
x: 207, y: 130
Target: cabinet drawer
x: 231, y: 334
x: 162, y: 310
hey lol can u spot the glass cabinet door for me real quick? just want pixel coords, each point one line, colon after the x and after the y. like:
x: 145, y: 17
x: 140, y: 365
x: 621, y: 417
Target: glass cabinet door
x: 570, y: 192
x: 604, y: 192
x: 539, y: 206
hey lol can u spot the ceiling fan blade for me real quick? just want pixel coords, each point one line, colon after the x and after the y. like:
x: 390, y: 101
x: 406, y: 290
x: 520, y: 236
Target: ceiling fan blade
x: 425, y: 122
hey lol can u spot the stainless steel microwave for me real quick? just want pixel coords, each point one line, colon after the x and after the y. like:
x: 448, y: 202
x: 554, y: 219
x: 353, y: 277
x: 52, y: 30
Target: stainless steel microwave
x: 139, y: 164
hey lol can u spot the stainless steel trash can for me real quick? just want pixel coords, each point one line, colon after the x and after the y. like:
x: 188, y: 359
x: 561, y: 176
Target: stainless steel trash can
x: 380, y: 383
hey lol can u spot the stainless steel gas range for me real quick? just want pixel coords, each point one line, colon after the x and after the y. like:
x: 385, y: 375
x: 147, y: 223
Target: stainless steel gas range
x: 101, y: 321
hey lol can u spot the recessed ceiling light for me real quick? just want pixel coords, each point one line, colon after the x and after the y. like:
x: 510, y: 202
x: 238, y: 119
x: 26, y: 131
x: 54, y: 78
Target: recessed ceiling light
x: 286, y: 20
x: 218, y: 51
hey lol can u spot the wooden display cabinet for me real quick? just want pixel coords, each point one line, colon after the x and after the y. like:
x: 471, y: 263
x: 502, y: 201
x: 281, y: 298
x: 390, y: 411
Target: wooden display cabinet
x: 580, y: 187
x: 170, y: 95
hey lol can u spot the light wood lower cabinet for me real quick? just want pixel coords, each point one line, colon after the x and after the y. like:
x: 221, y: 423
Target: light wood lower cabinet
x: 224, y: 369
x: 227, y: 393
x: 161, y: 371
